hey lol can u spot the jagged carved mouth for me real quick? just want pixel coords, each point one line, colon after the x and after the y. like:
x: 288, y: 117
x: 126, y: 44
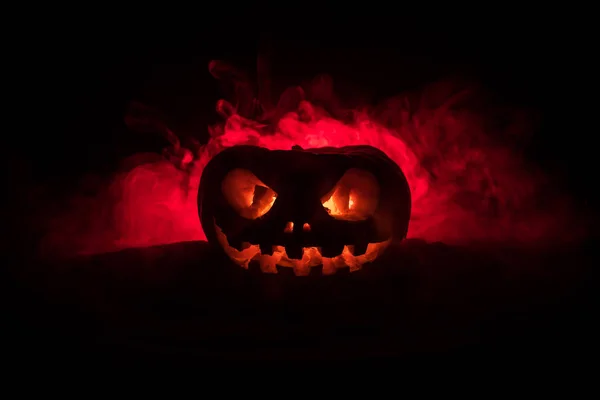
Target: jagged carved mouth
x: 311, y: 257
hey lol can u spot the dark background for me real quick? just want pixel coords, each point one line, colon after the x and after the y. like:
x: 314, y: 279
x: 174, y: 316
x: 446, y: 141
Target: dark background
x: 75, y: 80
x: 81, y: 75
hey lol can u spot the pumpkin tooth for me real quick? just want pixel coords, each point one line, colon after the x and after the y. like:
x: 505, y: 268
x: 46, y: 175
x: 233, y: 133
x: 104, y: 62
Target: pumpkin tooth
x: 329, y: 267
x: 268, y: 264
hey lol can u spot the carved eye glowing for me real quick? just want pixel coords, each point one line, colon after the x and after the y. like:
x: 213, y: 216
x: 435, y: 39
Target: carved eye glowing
x: 354, y: 198
x: 250, y: 197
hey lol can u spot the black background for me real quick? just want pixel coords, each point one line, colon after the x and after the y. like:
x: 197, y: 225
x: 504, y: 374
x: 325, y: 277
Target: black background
x: 75, y: 78
x: 81, y: 74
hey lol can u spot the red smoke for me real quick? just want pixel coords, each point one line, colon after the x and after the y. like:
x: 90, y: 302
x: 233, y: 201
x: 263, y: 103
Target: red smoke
x: 460, y: 155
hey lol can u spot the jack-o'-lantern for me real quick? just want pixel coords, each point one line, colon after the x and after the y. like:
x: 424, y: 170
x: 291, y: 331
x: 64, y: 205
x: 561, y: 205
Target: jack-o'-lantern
x: 301, y: 208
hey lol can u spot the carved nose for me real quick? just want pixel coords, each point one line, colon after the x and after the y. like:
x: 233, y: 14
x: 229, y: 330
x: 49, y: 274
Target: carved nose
x: 289, y: 227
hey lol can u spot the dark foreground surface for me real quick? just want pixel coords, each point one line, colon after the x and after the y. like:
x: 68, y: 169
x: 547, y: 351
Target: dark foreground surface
x: 181, y: 302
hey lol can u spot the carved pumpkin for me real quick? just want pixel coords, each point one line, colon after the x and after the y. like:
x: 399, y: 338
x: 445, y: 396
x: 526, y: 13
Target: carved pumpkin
x: 335, y: 207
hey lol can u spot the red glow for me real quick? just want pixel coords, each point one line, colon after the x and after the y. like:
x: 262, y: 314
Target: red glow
x: 465, y: 185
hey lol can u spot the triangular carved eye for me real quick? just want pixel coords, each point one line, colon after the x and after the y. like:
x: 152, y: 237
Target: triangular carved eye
x: 354, y: 198
x: 248, y: 196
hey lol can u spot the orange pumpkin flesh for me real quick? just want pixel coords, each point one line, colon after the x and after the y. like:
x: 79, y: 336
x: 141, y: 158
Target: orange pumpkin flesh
x: 339, y: 208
